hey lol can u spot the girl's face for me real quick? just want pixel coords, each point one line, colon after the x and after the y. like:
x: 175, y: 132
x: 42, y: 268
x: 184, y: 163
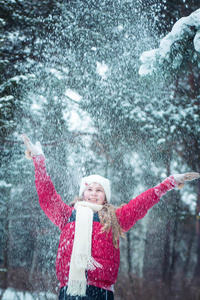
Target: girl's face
x: 94, y: 193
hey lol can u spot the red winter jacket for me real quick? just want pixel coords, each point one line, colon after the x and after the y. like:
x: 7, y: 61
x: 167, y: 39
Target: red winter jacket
x: 103, y: 250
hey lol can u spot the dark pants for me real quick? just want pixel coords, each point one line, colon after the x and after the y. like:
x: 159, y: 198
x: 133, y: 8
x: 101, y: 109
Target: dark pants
x: 92, y: 293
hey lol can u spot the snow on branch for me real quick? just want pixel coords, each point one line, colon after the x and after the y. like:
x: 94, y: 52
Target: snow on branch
x: 180, y: 45
x: 4, y: 184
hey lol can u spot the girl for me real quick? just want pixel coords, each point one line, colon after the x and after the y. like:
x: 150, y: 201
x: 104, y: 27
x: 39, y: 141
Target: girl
x: 88, y: 253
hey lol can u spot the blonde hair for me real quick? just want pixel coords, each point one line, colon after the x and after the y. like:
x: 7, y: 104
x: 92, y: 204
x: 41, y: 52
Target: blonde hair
x: 108, y: 219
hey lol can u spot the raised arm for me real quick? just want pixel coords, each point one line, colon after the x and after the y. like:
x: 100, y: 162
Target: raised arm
x: 51, y: 203
x: 137, y: 208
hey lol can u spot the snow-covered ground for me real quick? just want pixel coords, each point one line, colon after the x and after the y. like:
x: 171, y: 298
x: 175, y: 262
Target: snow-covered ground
x: 11, y: 294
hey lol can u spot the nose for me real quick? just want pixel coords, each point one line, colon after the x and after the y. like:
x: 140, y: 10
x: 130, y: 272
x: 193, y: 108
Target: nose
x: 93, y: 192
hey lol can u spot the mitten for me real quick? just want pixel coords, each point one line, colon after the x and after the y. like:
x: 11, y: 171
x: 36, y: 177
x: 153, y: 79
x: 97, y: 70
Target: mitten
x: 176, y: 180
x: 182, y: 178
x: 32, y: 150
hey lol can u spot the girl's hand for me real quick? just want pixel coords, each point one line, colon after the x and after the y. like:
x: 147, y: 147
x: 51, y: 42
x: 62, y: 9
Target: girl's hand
x: 182, y: 178
x: 32, y: 150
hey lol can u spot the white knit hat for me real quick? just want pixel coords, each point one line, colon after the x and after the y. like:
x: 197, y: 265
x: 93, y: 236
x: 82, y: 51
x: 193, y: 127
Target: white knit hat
x: 98, y: 179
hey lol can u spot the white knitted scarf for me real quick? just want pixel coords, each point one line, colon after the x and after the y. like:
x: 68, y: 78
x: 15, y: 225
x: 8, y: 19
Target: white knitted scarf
x: 81, y: 259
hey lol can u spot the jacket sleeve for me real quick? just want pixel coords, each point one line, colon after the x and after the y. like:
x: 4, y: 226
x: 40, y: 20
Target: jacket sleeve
x: 137, y: 208
x: 51, y: 203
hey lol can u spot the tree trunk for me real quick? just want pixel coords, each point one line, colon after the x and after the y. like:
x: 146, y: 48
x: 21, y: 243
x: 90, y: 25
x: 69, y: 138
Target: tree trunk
x: 188, y: 257
x: 173, y: 261
x: 34, y: 260
x: 5, y: 281
x: 166, y: 262
x: 176, y: 208
x: 197, y: 269
x: 6, y: 196
x: 129, y: 252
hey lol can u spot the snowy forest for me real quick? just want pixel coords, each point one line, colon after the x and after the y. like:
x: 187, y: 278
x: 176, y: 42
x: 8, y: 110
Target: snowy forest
x: 108, y: 87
